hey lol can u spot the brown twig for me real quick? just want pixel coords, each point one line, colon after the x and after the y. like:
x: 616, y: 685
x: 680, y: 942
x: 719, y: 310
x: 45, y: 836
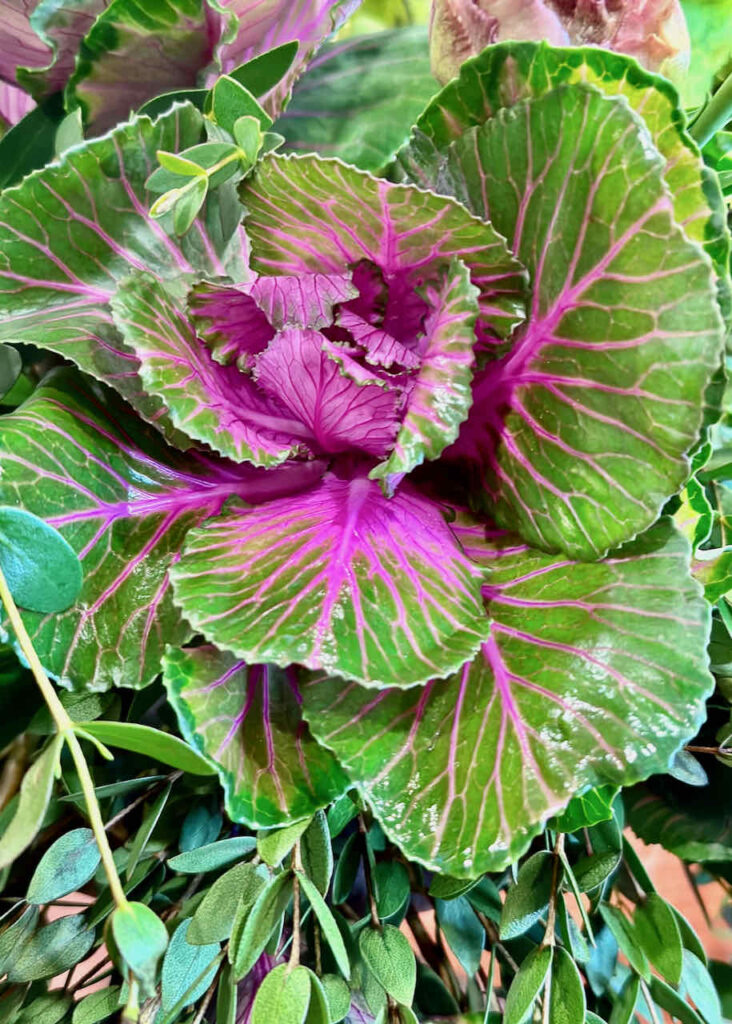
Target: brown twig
x: 551, y: 921
x: 373, y: 909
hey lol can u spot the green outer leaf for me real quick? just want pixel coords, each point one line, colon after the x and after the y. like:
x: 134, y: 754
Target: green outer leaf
x: 698, y: 985
x: 527, y: 986
x: 30, y: 143
x: 124, y: 502
x: 389, y: 956
x: 260, y: 923
x: 328, y: 923
x: 441, y: 399
x: 226, y: 997
x: 316, y: 852
x: 41, y: 568
x: 274, y: 846
x: 658, y: 934
x: 566, y: 993
x: 624, y: 307
x: 11, y: 367
x: 264, y: 785
x: 53, y: 949
x: 213, y: 856
x: 54, y: 289
x: 135, y: 51
x: 559, y: 712
x: 626, y: 939
x: 626, y: 1001
x: 97, y: 1006
x: 35, y: 794
x: 214, y: 917
x: 309, y: 215
x: 587, y: 809
x: 358, y: 99
x: 672, y: 1002
x: 510, y: 72
x: 15, y: 936
x: 182, y: 964
x: 67, y: 865
x: 141, y: 939
x: 154, y: 743
x: 283, y: 996
x: 527, y: 900
x: 463, y: 932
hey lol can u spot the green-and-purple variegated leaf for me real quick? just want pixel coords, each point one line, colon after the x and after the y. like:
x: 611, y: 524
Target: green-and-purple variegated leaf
x: 594, y: 673
x: 138, y: 49
x: 261, y: 25
x: 20, y: 46
x: 61, y: 25
x: 246, y: 721
x: 71, y: 231
x: 124, y: 501
x: 503, y: 75
x: 441, y: 397
x: 208, y: 401
x: 310, y: 215
x: 339, y: 578
x: 582, y: 429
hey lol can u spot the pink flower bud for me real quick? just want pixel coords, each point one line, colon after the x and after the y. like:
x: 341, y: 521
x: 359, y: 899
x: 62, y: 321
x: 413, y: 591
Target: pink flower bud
x: 652, y: 31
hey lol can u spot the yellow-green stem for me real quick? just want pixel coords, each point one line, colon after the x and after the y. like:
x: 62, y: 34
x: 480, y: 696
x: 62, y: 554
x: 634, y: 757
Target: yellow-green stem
x: 65, y: 727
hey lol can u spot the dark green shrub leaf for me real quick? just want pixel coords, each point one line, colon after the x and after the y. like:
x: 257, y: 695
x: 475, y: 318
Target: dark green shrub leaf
x: 35, y: 794
x: 230, y: 100
x: 327, y: 922
x: 55, y: 948
x: 146, y: 829
x: 658, y: 933
x: 200, y: 828
x: 65, y: 866
x: 689, y: 938
x: 226, y: 997
x: 48, y: 1009
x: 154, y: 743
x: 263, y: 72
x: 528, y: 899
x: 42, y: 569
x: 97, y: 1007
x: 338, y: 996
x: 391, y: 883
x: 213, y: 856
x: 527, y: 986
x: 566, y: 992
x: 182, y: 964
x: 462, y: 929
x: 318, y: 1010
x: 316, y: 852
x: 389, y: 957
x: 264, y: 917
x: 587, y: 809
x: 273, y: 846
x: 214, y: 919
x: 346, y: 869
x: 626, y: 939
x: 283, y: 996
x: 670, y: 1001
x: 340, y: 813
x: 445, y: 887
x: 590, y: 872
x: 11, y: 366
x: 141, y: 939
x: 15, y: 936
x: 625, y: 1003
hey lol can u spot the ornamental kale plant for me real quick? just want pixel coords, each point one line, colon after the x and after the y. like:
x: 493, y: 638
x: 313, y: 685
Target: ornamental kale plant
x: 381, y: 462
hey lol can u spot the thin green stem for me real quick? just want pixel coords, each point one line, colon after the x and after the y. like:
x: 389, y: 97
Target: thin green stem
x: 715, y: 115
x: 65, y: 727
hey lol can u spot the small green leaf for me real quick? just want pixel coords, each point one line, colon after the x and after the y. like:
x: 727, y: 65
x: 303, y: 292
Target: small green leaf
x: 146, y: 829
x: 318, y: 1010
x: 189, y: 204
x: 591, y: 872
x: 230, y: 100
x: 331, y: 933
x: 283, y: 996
x: 587, y: 809
x: 624, y: 1005
x: 141, y: 939
x: 35, y: 795
x: 346, y: 869
x: 274, y: 844
x: 659, y: 936
x: 391, y: 882
x: 67, y: 865
x: 445, y: 887
x: 214, y: 918
x: 143, y: 739
x: 181, y: 965
x: 56, y: 948
x: 97, y: 1007
x: 338, y: 996
x: 42, y: 569
x: 226, y: 997
x: 672, y: 1002
x: 340, y: 814
x: 201, y: 826
x: 527, y: 986
x: 528, y: 899
x: 11, y: 366
x: 15, y: 936
x: 389, y: 957
x: 70, y: 132
x: 213, y: 856
x: 464, y: 932
x: 261, y: 922
x: 316, y: 852
x: 47, y: 1009
x: 690, y: 940
x: 697, y: 983
x: 566, y: 993
x: 248, y: 137
x: 626, y: 939
x: 114, y: 789
x: 177, y: 164
x: 264, y: 72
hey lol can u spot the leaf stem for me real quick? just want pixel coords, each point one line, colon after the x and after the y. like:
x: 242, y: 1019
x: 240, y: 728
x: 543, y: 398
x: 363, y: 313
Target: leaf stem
x: 65, y: 727
x: 715, y: 114
x: 294, y: 960
x: 551, y: 920
x: 373, y: 909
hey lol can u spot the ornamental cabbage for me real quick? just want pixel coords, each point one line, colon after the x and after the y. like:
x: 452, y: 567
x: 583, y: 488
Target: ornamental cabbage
x: 377, y: 474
